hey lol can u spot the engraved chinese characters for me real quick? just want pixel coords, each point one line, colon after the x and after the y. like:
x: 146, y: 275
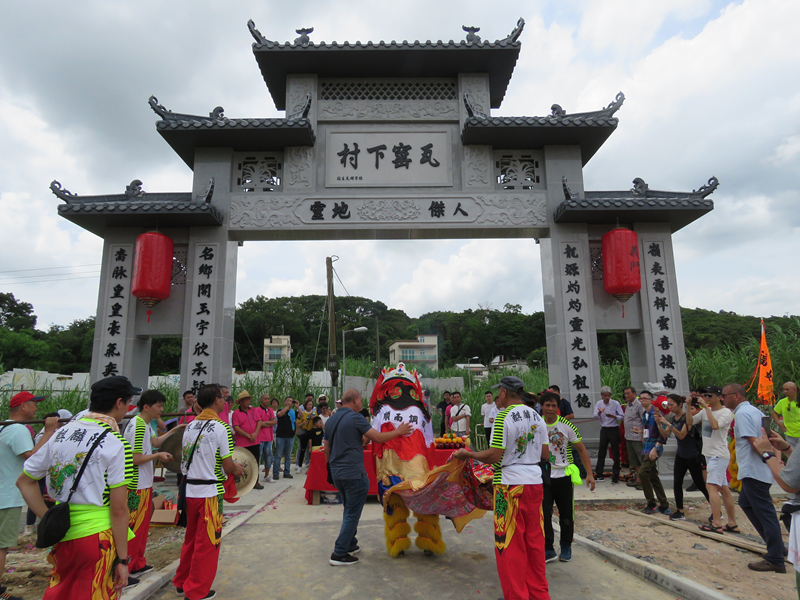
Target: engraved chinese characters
x: 390, y: 158
x: 573, y: 290
x: 661, y: 312
x: 114, y: 322
x: 204, y: 294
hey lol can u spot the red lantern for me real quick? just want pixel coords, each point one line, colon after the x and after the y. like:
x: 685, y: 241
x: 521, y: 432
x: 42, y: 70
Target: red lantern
x: 152, y: 268
x: 621, y: 275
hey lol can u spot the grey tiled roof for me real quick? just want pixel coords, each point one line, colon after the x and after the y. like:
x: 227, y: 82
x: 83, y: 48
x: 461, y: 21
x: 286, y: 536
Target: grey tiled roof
x: 185, y: 132
x: 386, y: 59
x: 136, y: 208
x: 639, y: 204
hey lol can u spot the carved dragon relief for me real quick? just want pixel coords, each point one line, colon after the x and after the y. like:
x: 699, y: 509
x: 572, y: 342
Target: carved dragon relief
x: 478, y: 91
x: 511, y: 209
x: 297, y: 166
x: 388, y: 210
x: 388, y: 110
x: 299, y: 99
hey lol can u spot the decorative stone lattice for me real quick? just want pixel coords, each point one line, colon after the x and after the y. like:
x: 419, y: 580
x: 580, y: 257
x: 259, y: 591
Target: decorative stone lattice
x: 517, y: 171
x: 258, y: 173
x: 342, y: 89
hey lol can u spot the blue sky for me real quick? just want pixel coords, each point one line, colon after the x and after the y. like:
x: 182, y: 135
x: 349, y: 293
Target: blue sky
x: 711, y: 90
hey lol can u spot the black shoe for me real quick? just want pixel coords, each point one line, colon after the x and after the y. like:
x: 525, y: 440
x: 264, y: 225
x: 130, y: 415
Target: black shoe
x: 179, y: 591
x: 211, y: 594
x: 258, y: 486
x: 289, y: 476
x: 338, y: 561
x: 354, y: 551
x: 615, y: 480
x: 599, y: 478
x: 692, y: 488
x: 142, y: 571
x: 132, y: 581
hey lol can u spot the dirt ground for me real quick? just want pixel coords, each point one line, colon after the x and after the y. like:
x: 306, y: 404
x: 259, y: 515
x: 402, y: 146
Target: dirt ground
x: 27, y: 569
x: 714, y: 564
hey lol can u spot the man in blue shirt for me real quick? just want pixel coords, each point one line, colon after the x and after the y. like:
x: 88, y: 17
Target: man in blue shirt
x: 344, y: 450
x: 756, y: 477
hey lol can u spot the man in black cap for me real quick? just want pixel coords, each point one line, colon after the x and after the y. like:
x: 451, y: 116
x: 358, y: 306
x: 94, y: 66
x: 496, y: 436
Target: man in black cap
x: 519, y: 444
x: 92, y: 558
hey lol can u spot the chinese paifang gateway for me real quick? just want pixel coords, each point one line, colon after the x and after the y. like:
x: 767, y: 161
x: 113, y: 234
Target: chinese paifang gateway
x: 391, y: 140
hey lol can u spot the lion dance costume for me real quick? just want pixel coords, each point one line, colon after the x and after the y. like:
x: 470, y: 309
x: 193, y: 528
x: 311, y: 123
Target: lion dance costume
x: 396, y: 399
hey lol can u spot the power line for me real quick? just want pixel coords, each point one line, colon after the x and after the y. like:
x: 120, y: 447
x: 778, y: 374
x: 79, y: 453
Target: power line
x: 51, y: 268
x: 51, y: 274
x: 47, y: 280
x: 340, y: 282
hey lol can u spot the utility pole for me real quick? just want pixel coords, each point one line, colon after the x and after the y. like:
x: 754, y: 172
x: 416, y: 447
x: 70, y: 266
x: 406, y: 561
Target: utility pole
x: 333, y: 359
x: 377, y: 349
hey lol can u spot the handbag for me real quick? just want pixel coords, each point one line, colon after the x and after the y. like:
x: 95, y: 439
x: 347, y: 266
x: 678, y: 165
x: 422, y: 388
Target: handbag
x: 182, y: 488
x: 56, y: 522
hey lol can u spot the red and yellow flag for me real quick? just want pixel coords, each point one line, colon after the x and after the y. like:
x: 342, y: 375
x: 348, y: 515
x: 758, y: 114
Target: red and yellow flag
x: 763, y: 372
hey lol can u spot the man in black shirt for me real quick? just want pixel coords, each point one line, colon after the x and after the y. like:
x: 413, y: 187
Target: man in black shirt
x: 441, y: 408
x: 284, y: 440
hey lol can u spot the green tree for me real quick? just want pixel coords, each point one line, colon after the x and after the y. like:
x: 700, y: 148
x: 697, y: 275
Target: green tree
x: 16, y: 315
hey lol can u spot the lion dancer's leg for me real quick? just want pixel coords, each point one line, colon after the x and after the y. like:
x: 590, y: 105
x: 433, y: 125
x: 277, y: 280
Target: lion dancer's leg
x: 429, y: 534
x: 397, y: 527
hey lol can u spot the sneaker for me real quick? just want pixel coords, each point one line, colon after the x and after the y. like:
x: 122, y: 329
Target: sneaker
x: 29, y: 530
x: 677, y: 516
x: 692, y: 488
x: 132, y: 581
x: 268, y: 479
x: 211, y: 594
x: 6, y: 596
x: 632, y: 483
x: 288, y: 476
x: 258, y: 486
x: 179, y: 591
x: 599, y: 478
x: 297, y: 469
x: 764, y: 565
x: 550, y: 556
x: 616, y: 480
x: 650, y: 510
x: 355, y: 550
x: 566, y: 554
x: 338, y: 561
x: 142, y: 571
x: 665, y: 511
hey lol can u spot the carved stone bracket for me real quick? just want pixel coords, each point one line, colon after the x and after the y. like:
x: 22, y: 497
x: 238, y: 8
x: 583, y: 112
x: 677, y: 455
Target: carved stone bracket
x: 568, y: 193
x: 63, y: 193
x: 205, y: 198
x: 705, y: 190
x: 260, y: 39
x: 473, y: 110
x: 134, y: 190
x: 511, y: 209
x: 304, y: 110
x: 514, y: 35
x: 303, y: 40
x: 471, y: 37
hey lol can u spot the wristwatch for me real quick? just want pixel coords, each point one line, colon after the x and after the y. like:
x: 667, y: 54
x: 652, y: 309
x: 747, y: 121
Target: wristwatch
x: 122, y: 561
x: 765, y: 456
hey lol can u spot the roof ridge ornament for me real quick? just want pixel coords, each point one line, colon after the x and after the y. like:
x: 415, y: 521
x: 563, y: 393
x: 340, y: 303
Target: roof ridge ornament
x: 303, y: 40
x: 62, y: 192
x: 514, y: 35
x: 218, y: 114
x: 640, y: 187
x: 557, y: 111
x: 304, y: 110
x: 616, y: 104
x: 134, y: 190
x: 708, y: 188
x: 471, y: 37
x: 471, y: 110
x: 568, y: 193
x: 209, y: 193
x: 260, y: 39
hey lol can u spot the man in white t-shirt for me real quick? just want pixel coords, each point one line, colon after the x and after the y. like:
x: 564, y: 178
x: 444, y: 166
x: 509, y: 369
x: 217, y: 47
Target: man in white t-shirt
x: 459, y: 415
x: 519, y: 444
x: 206, y: 452
x: 563, y: 438
x: 140, y: 436
x: 91, y: 561
x: 715, y: 421
x: 488, y: 412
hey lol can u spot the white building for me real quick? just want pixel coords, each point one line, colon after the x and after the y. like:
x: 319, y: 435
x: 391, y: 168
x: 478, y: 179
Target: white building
x: 423, y: 350
x: 276, y: 347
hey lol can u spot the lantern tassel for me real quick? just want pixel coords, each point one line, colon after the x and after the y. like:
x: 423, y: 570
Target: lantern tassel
x: 623, y: 311
x: 150, y: 312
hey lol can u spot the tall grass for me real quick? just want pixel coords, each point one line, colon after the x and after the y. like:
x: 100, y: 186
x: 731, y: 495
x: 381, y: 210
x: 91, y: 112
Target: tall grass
x: 287, y: 379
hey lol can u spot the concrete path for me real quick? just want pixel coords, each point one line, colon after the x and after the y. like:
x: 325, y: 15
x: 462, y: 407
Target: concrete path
x: 283, y: 551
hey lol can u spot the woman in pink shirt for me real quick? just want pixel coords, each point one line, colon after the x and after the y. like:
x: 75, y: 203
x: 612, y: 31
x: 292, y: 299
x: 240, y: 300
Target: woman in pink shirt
x: 266, y: 416
x: 246, y: 428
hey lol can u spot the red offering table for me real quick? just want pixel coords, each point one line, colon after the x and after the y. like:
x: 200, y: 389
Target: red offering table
x: 317, y: 477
